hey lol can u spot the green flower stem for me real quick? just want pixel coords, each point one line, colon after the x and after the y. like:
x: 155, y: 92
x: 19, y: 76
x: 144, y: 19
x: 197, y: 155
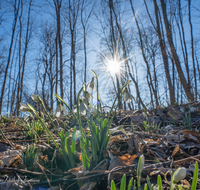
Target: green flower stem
x: 138, y: 182
x: 44, y: 125
x: 98, y: 99
x: 79, y: 117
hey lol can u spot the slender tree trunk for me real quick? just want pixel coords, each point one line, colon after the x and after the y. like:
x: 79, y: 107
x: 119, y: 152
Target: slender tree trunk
x: 186, y: 86
x: 74, y: 67
x: 57, y: 4
x: 16, y: 11
x: 85, y: 53
x: 25, y: 49
x: 184, y: 42
x: 60, y: 49
x: 114, y: 47
x: 164, y: 55
x: 56, y: 41
x: 144, y: 56
x: 20, y: 43
x: 192, y: 47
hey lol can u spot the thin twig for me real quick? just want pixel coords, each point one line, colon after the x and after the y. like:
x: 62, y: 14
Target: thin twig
x: 7, y: 139
x: 42, y: 168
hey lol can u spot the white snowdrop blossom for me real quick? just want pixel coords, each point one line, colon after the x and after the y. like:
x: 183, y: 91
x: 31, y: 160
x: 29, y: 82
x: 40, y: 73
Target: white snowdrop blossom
x: 59, y: 109
x: 91, y: 85
x: 192, y: 109
x: 35, y: 98
x: 127, y: 97
x: 182, y: 110
x: 93, y: 109
x: 85, y: 100
x: 82, y: 108
x: 179, y: 175
x: 24, y: 108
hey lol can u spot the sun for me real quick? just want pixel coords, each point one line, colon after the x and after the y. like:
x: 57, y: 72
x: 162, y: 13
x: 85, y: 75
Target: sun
x: 113, y: 66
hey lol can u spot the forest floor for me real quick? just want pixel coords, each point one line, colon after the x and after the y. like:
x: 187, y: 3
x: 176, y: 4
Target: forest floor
x: 168, y: 137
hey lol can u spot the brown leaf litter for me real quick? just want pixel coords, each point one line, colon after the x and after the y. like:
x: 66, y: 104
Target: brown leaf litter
x: 172, y: 141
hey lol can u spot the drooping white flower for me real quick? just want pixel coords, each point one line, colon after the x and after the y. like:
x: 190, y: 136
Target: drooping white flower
x: 192, y: 109
x: 75, y: 109
x: 24, y: 108
x: 93, y: 109
x: 35, y: 98
x: 82, y: 108
x: 127, y: 97
x: 179, y: 174
x: 59, y: 109
x: 64, y: 110
x: 88, y: 95
x: 182, y: 110
x: 85, y: 100
x: 91, y: 85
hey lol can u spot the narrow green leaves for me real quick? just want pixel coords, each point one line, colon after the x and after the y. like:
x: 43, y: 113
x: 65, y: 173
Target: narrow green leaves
x: 195, y: 177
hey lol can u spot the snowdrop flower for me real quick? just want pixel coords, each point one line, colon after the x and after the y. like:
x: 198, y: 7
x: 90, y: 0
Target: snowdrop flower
x: 82, y: 108
x: 192, y: 109
x: 85, y: 100
x: 93, y: 109
x: 35, y: 98
x: 75, y: 109
x: 88, y: 95
x: 182, y: 110
x: 24, y: 108
x: 59, y: 109
x: 127, y: 97
x: 142, y: 162
x: 91, y: 85
x: 179, y: 174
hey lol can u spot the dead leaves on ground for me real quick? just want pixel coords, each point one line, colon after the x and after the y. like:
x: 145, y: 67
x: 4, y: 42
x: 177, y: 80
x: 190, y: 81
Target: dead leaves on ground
x: 173, y: 141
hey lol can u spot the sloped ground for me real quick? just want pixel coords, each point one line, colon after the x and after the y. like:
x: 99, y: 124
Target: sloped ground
x: 167, y: 137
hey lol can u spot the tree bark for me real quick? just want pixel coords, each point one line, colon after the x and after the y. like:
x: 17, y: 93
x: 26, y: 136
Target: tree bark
x: 192, y: 48
x: 16, y: 11
x: 164, y: 55
x: 186, y: 86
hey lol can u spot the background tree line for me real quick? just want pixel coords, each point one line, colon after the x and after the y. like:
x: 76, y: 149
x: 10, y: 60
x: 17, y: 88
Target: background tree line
x: 49, y: 46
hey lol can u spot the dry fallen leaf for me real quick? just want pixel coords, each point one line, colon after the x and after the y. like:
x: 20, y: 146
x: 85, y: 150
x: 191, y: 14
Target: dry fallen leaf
x: 176, y: 150
x: 128, y: 159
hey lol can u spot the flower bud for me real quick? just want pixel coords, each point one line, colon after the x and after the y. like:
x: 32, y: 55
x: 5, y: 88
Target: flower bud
x: 179, y: 174
x: 24, y: 108
x: 35, y: 98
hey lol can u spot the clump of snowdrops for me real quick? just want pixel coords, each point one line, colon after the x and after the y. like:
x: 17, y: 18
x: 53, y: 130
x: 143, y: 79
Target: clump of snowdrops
x: 99, y: 130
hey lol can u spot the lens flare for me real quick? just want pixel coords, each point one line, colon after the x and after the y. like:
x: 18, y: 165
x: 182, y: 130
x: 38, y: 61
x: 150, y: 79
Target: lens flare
x: 113, y: 66
x: 77, y: 135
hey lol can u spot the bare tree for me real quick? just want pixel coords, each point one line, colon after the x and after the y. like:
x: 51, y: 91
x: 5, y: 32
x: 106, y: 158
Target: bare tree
x: 86, y: 11
x: 192, y: 48
x: 186, y: 86
x: 57, y: 5
x: 73, y: 13
x: 16, y: 12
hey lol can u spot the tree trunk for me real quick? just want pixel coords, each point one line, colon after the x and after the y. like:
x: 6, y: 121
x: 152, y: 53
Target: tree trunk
x: 16, y: 11
x: 192, y: 47
x: 164, y: 55
x: 186, y: 86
